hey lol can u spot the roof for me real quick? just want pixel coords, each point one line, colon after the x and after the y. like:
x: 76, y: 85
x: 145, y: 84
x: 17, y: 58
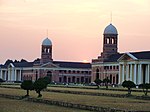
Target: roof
x: 141, y: 55
x: 23, y: 64
x: 138, y: 55
x: 73, y: 64
x: 110, y: 29
x: 113, y: 58
x: 47, y: 42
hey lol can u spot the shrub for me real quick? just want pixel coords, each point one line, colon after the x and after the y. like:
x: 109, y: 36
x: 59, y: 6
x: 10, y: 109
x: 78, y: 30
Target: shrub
x: 129, y: 84
x: 39, y: 85
x: 27, y: 85
x: 98, y: 82
x: 145, y: 88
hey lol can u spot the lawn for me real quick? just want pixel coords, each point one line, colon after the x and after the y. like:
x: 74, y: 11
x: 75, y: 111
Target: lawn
x: 9, y: 105
x: 102, y: 101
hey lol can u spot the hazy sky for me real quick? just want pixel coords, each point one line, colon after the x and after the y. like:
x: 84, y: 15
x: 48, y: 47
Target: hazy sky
x: 75, y: 27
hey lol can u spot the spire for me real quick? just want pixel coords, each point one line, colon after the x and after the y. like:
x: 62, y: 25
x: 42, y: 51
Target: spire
x: 110, y: 17
x: 47, y: 32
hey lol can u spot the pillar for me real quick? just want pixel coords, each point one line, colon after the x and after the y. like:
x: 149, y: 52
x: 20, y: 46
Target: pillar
x: 120, y: 75
x: 1, y: 74
x: 123, y: 73
x: 131, y: 73
x: 135, y: 69
x: 139, y: 74
x: 127, y: 72
x: 20, y: 76
x: 147, y: 74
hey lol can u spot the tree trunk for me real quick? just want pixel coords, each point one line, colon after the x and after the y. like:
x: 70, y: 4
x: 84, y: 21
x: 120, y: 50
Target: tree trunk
x: 129, y: 91
x: 106, y: 85
x: 40, y: 95
x: 27, y: 93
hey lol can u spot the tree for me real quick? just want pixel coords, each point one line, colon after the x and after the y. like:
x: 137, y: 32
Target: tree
x: 98, y: 82
x: 129, y: 84
x: 27, y: 85
x: 39, y: 85
x: 106, y: 81
x: 145, y: 88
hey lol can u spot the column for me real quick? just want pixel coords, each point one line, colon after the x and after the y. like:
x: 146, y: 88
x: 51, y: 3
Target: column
x: 15, y: 74
x: 147, y: 74
x: 135, y: 78
x: 20, y: 76
x: 139, y: 74
x: 9, y: 74
x: 131, y: 73
x: 120, y: 75
x: 127, y: 72
x: 123, y: 73
x: 5, y: 75
x: 1, y: 74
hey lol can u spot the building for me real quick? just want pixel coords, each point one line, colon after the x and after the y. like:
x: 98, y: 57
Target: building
x: 134, y: 66
x: 57, y: 71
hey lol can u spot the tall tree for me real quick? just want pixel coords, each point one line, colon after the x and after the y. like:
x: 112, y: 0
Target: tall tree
x: 27, y: 85
x: 39, y: 85
x: 129, y: 84
x: 106, y: 81
x: 145, y: 88
x: 98, y: 82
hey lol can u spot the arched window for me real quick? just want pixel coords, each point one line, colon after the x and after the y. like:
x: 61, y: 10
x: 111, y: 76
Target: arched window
x: 73, y: 79
x: 97, y: 73
x: 65, y: 79
x: 117, y: 79
x: 82, y: 79
x: 49, y: 75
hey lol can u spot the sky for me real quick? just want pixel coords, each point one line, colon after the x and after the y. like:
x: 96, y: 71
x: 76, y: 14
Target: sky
x: 75, y: 27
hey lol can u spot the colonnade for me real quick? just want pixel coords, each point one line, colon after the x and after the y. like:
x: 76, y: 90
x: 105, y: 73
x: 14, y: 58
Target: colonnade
x: 138, y: 73
x: 11, y: 74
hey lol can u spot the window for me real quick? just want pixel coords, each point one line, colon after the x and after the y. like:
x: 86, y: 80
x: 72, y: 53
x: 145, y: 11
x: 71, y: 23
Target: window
x: 97, y: 73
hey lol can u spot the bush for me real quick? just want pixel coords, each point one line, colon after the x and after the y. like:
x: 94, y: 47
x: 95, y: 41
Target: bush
x: 106, y: 81
x: 145, y: 88
x: 39, y: 85
x: 98, y: 82
x: 27, y: 85
x: 129, y: 84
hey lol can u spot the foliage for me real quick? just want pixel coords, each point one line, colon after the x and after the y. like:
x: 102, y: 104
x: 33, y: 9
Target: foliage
x: 1, y: 81
x: 98, y: 82
x: 106, y: 81
x: 27, y: 85
x: 39, y: 85
x: 128, y: 84
x: 145, y: 88
x: 47, y: 80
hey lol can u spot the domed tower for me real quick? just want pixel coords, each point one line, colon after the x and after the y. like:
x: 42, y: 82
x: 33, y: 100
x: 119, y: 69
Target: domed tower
x: 46, y: 52
x: 110, y: 41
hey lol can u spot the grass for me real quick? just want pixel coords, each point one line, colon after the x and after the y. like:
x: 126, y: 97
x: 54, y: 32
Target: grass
x: 93, y: 90
x: 120, y: 103
x: 9, y: 105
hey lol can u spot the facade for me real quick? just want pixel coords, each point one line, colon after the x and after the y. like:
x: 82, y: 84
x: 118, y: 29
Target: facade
x: 57, y: 71
x: 134, y: 66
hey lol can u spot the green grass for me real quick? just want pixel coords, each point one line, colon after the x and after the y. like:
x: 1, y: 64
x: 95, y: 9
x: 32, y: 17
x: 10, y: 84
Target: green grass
x: 112, y: 102
x: 87, y: 90
x: 9, y: 105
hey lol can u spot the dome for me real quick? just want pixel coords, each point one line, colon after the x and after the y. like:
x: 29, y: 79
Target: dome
x: 110, y: 29
x: 47, y: 42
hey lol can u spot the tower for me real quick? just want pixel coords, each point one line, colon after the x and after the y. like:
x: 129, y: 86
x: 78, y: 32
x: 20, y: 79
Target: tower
x: 46, y: 51
x: 110, y: 41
